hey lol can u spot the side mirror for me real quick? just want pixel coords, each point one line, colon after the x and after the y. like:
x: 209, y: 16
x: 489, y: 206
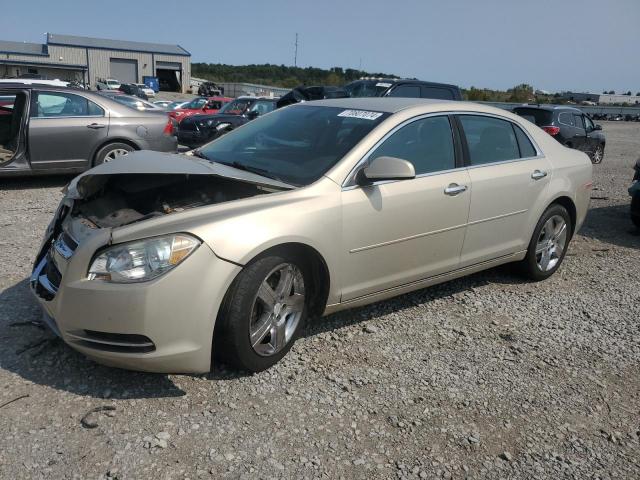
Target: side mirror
x: 597, y: 127
x: 252, y: 114
x: 386, y: 168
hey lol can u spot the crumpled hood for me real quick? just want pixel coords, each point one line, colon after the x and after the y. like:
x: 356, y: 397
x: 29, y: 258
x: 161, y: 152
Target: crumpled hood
x: 149, y: 162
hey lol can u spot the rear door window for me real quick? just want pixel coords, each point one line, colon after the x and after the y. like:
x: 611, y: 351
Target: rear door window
x: 566, y: 118
x: 489, y: 139
x: 406, y: 91
x: 62, y: 104
x: 526, y: 147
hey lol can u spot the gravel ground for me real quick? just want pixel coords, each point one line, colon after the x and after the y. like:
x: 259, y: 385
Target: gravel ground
x: 484, y: 377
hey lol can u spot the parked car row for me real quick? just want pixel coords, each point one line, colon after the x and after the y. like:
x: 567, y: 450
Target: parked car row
x: 616, y: 117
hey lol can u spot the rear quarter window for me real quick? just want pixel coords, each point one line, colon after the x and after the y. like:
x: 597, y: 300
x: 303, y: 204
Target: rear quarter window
x: 437, y: 93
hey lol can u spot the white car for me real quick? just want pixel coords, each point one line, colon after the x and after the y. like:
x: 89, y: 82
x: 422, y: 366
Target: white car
x: 148, y: 91
x: 108, y: 84
x: 30, y: 81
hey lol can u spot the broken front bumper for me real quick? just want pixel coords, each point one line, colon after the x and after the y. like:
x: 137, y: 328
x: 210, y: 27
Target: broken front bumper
x: 164, y: 325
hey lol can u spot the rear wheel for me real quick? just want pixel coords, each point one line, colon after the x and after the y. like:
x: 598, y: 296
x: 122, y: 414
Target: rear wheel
x: 597, y: 155
x: 548, y: 244
x: 112, y: 151
x: 263, y: 313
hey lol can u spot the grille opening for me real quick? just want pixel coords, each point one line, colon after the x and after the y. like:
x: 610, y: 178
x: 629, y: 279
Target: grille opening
x: 113, y: 342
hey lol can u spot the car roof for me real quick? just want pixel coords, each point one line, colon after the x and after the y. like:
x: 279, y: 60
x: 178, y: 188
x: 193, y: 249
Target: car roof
x: 412, y: 81
x: 382, y: 104
x: 549, y: 108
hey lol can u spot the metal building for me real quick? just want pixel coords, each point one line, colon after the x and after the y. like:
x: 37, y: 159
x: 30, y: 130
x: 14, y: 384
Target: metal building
x: 89, y: 60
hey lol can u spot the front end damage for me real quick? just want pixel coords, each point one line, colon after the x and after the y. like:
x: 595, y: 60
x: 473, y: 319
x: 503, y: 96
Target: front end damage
x: 152, y: 325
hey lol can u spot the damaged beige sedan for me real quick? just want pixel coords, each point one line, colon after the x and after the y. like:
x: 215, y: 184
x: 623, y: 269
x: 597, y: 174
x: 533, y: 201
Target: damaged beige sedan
x: 163, y: 262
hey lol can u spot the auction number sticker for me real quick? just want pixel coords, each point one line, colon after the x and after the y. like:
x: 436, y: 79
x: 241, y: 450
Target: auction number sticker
x: 363, y: 114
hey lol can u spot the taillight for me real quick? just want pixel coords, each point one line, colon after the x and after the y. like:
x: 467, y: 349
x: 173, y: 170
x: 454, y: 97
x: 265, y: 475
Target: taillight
x: 551, y: 130
x: 169, y: 127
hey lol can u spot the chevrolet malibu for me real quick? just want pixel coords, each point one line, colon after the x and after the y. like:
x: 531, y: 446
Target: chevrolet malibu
x: 163, y: 262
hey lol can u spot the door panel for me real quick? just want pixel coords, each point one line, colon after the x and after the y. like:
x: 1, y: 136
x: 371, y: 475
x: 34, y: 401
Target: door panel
x: 64, y: 130
x: 398, y: 232
x: 503, y: 201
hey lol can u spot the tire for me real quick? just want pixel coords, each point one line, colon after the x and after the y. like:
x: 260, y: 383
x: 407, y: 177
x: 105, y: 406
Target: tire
x: 597, y: 155
x: 539, y: 265
x: 635, y: 209
x: 111, y: 151
x: 248, y: 328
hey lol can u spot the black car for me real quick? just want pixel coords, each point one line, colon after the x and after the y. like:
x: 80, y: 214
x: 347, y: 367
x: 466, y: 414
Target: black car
x: 634, y: 191
x: 197, y: 130
x: 306, y: 94
x: 569, y: 126
x: 402, y: 88
x: 134, y: 90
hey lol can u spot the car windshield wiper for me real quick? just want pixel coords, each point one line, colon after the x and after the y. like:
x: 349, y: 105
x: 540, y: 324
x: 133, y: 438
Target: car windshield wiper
x: 259, y: 171
x: 198, y: 153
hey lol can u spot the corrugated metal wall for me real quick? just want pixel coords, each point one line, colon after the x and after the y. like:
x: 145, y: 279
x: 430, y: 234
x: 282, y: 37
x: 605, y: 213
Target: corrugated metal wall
x: 98, y: 63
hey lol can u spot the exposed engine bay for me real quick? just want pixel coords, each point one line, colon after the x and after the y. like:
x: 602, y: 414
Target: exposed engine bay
x: 121, y: 199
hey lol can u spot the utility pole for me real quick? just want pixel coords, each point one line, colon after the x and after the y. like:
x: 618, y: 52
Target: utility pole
x: 295, y: 55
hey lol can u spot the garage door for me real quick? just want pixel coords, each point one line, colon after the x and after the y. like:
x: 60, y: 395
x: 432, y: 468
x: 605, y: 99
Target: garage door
x: 169, y: 65
x: 124, y: 70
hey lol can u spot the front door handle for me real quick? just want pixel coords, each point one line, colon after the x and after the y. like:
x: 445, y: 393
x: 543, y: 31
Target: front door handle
x: 454, y: 189
x: 96, y: 126
x: 538, y: 174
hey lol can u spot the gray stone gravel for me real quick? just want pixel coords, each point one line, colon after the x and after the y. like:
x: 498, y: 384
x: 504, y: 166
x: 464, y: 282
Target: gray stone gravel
x: 486, y: 377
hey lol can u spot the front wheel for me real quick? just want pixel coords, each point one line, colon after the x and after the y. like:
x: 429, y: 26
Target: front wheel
x: 263, y: 313
x: 597, y: 155
x: 548, y: 244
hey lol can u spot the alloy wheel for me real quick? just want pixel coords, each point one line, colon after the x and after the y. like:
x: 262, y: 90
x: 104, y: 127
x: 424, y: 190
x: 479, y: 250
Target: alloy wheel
x: 113, y: 154
x: 551, y: 243
x: 277, y: 310
x: 597, y: 155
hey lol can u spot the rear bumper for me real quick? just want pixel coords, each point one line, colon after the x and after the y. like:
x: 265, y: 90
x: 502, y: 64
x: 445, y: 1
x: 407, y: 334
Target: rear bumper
x: 165, y: 325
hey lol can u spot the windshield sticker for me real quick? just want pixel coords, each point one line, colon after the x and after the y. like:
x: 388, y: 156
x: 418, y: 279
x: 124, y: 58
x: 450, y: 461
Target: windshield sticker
x: 383, y: 84
x: 360, y: 114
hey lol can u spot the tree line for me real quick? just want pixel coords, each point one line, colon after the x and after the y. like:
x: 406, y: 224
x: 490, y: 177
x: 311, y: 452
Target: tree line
x: 280, y: 75
x: 289, y: 77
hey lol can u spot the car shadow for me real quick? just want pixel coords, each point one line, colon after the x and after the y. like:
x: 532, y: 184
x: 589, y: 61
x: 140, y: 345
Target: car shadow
x: 503, y: 275
x: 31, y: 351
x: 611, y: 224
x: 25, y: 183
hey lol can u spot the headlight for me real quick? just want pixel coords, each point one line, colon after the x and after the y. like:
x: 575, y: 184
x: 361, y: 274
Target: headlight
x: 142, y: 260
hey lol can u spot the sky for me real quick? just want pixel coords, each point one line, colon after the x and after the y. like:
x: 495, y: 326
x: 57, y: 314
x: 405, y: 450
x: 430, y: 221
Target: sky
x: 554, y: 45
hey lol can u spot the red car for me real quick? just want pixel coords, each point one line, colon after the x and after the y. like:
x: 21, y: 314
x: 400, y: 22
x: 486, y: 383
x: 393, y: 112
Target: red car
x: 199, y: 106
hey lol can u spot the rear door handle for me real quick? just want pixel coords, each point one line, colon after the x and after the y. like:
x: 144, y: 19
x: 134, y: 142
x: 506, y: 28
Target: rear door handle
x: 454, y: 189
x: 538, y: 174
x: 96, y: 126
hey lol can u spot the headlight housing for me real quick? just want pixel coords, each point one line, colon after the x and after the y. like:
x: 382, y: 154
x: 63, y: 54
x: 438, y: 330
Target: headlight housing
x: 142, y: 260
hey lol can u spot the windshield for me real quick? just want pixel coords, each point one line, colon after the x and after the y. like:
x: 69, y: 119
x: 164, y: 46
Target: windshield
x: 296, y: 145
x: 237, y: 107
x: 196, y: 104
x: 367, y: 88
